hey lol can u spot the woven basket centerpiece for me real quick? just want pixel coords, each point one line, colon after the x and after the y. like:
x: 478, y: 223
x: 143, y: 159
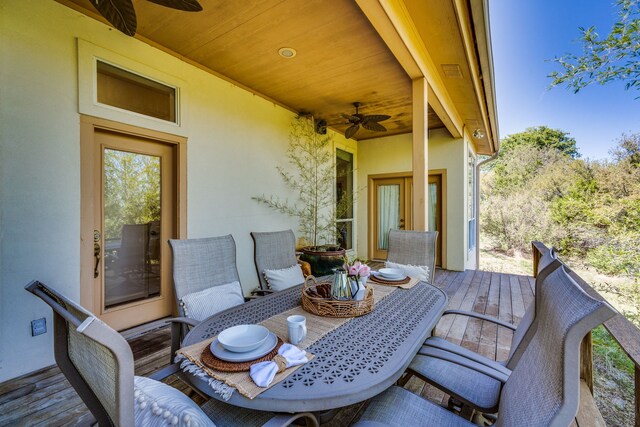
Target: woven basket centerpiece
x: 316, y: 299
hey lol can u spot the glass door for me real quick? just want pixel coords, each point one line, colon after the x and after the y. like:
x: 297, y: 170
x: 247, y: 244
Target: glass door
x: 131, y: 231
x: 133, y: 217
x: 389, y: 205
x: 392, y: 206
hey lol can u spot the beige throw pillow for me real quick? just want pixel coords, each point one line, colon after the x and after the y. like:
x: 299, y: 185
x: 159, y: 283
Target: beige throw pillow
x: 284, y: 278
x: 200, y: 305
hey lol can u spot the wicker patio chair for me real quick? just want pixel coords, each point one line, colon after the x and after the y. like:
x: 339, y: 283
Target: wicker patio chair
x: 201, y: 265
x: 415, y: 248
x: 273, y: 250
x: 470, y: 378
x: 544, y: 387
x: 98, y: 363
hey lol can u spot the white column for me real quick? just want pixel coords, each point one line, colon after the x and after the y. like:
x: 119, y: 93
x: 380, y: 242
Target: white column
x: 420, y: 155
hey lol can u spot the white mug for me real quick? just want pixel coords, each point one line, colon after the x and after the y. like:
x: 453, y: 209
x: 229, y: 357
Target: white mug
x: 297, y: 327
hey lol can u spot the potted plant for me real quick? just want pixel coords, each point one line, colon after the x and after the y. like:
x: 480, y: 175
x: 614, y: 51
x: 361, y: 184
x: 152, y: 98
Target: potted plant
x: 311, y: 176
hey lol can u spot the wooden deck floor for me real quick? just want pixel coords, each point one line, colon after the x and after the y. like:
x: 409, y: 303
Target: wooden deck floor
x: 45, y: 398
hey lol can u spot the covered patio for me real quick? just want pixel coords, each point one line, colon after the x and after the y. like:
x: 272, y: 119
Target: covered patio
x: 46, y: 398
x: 206, y: 102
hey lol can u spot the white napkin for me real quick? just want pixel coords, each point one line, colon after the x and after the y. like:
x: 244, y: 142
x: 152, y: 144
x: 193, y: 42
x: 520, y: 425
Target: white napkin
x: 262, y: 373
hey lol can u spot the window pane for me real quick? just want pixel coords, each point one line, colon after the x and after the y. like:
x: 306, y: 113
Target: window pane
x: 389, y: 213
x: 131, y: 227
x: 344, y: 184
x: 345, y: 234
x: 123, y: 89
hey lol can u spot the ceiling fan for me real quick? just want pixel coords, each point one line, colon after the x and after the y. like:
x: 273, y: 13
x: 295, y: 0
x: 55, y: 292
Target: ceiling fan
x: 122, y: 15
x: 369, y: 122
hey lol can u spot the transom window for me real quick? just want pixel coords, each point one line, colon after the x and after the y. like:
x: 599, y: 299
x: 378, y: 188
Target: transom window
x: 129, y: 91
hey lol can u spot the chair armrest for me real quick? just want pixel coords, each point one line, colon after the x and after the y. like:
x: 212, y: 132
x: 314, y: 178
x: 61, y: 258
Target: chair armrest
x: 282, y: 420
x: 182, y: 320
x: 262, y: 292
x: 482, y: 317
x: 436, y: 353
x: 442, y: 344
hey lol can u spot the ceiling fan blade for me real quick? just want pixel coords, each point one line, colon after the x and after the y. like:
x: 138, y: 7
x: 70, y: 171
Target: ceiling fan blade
x: 351, y: 130
x: 186, y: 5
x: 120, y: 13
x: 352, y: 119
x: 376, y: 118
x: 374, y: 126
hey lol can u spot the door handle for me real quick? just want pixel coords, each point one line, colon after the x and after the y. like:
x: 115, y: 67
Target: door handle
x: 96, y: 255
x: 401, y: 224
x: 96, y: 252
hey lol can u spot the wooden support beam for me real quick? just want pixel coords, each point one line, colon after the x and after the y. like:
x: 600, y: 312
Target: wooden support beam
x: 420, y: 155
x: 394, y: 24
x: 637, y: 397
x: 586, y: 361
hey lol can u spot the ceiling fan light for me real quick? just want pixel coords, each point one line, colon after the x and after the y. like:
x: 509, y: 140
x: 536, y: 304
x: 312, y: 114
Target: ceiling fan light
x: 478, y: 134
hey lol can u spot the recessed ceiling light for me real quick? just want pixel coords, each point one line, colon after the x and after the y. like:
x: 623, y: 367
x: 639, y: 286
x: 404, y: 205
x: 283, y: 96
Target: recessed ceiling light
x: 287, y: 52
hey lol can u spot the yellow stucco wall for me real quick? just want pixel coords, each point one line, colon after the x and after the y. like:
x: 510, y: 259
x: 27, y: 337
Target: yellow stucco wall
x: 393, y: 154
x: 235, y: 141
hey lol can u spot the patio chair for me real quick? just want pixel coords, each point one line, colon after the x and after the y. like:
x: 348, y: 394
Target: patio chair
x: 413, y: 251
x: 275, y: 259
x: 98, y: 363
x: 205, y: 281
x: 470, y: 378
x: 544, y: 387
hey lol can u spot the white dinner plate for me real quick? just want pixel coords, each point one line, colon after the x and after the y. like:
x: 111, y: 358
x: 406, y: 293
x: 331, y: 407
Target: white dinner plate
x: 221, y: 353
x: 243, y: 338
x: 391, y: 273
x: 381, y: 277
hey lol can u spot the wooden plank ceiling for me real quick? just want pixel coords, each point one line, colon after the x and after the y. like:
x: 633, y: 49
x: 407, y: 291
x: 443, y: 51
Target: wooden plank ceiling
x: 340, y: 57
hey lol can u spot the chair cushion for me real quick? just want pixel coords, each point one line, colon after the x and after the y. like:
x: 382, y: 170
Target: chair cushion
x: 398, y: 407
x: 284, y: 278
x: 158, y: 404
x: 471, y: 387
x: 419, y: 271
x: 203, y: 304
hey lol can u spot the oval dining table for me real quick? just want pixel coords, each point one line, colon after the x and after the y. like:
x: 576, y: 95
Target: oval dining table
x: 352, y: 363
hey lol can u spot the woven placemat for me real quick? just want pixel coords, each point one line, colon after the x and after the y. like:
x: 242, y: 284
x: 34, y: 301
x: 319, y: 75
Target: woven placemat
x: 222, y: 365
x: 390, y: 282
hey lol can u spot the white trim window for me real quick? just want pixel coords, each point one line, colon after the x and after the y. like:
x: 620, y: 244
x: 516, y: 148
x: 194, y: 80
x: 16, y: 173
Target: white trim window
x: 471, y: 204
x: 344, y: 198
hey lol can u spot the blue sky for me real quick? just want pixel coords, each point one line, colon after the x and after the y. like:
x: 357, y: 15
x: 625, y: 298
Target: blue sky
x: 527, y: 33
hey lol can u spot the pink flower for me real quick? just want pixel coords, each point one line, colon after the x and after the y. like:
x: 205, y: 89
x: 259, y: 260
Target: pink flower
x: 365, y: 270
x: 353, y: 271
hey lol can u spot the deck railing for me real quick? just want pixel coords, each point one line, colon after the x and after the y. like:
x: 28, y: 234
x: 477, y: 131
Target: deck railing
x: 626, y: 334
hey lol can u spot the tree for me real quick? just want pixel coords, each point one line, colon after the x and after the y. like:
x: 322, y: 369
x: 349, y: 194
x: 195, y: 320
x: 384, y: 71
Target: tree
x: 310, y: 175
x: 605, y: 60
x: 523, y: 154
x: 628, y: 149
x: 542, y: 137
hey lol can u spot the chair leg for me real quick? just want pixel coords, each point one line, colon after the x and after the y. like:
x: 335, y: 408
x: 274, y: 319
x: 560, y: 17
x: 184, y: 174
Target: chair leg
x: 467, y: 412
x: 404, y: 379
